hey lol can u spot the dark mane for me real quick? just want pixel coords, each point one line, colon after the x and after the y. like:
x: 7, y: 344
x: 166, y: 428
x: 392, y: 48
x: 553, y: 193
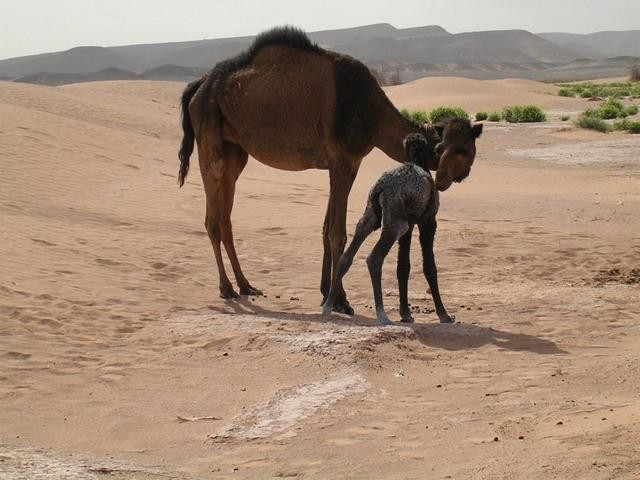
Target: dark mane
x: 286, y: 35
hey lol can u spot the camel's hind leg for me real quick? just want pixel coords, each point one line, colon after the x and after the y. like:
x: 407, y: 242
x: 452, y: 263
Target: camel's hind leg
x: 391, y: 231
x: 402, y: 272
x: 220, y: 165
x: 235, y: 159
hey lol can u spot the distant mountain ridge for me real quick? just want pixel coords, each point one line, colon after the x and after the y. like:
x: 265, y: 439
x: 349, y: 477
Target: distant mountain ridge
x: 409, y: 53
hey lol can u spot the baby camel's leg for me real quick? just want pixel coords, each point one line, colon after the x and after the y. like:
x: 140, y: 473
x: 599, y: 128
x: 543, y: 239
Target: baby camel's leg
x: 427, y: 233
x: 391, y: 231
x: 368, y: 223
x: 402, y: 272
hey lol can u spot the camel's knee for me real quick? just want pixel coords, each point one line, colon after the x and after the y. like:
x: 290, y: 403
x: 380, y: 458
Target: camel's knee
x: 338, y: 242
x: 213, y: 227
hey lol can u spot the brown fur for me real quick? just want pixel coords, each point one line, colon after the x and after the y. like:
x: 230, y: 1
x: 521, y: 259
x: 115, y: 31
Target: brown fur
x: 293, y: 106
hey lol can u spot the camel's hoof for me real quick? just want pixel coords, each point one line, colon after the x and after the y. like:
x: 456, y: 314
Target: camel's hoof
x: 345, y: 308
x: 383, y: 320
x: 407, y: 318
x: 448, y: 319
x: 249, y: 290
x: 228, y: 293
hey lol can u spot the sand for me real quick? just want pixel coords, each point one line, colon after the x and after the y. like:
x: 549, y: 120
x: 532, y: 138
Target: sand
x: 111, y: 327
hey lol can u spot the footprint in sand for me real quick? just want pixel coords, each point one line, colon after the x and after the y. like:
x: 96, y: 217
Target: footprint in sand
x: 17, y: 355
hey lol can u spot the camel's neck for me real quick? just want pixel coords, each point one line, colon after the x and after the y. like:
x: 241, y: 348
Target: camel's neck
x: 392, y: 128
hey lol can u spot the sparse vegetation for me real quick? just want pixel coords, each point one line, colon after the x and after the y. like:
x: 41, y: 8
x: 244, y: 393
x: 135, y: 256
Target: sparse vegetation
x: 481, y: 116
x: 593, y: 123
x: 624, y: 124
x: 634, y: 74
x: 523, y: 114
x: 610, y: 108
x: 437, y: 114
x: 494, y: 117
x: 630, y: 125
x: 419, y: 116
x: 632, y: 110
x: 599, y: 90
x: 564, y: 118
x: 440, y: 113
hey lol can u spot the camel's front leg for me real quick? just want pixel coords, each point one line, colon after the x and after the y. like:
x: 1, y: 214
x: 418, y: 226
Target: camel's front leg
x: 335, y: 231
x: 367, y: 224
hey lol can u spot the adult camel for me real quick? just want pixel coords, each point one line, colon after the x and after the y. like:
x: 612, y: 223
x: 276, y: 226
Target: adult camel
x: 293, y: 105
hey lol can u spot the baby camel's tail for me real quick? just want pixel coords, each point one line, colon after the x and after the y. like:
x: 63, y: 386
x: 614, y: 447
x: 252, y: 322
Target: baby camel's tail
x: 186, y: 148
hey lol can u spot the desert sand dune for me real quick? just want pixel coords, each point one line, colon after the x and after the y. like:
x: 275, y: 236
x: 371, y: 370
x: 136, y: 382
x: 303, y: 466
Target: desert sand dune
x: 478, y: 95
x: 111, y: 327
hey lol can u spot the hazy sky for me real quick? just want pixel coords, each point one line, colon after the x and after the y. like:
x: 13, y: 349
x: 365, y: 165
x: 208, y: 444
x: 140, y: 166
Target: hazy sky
x: 38, y: 26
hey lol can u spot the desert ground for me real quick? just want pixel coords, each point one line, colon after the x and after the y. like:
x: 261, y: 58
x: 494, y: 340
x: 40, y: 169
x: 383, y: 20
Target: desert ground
x: 118, y: 359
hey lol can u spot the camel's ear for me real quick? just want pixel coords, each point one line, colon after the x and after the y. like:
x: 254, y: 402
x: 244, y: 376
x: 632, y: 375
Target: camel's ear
x: 477, y: 130
x: 439, y: 127
x: 432, y: 135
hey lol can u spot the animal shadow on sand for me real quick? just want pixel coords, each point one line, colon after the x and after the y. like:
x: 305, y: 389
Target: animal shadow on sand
x: 452, y: 336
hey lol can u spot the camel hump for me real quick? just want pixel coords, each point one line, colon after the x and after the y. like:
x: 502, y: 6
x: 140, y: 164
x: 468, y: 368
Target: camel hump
x: 287, y: 36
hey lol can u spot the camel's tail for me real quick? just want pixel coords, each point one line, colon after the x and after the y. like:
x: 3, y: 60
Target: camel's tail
x: 186, y: 148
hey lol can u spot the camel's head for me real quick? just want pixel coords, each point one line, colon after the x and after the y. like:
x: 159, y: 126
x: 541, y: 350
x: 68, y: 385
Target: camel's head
x: 456, y: 150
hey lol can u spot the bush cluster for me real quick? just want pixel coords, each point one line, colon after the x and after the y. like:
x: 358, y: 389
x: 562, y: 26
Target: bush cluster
x: 523, y: 114
x: 440, y: 113
x: 494, y: 117
x: 481, y: 116
x: 611, y: 108
x: 435, y: 115
x: 626, y: 124
x: 593, y: 123
x: 599, y: 90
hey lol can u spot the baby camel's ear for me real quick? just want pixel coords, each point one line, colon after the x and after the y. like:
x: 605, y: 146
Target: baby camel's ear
x: 477, y: 130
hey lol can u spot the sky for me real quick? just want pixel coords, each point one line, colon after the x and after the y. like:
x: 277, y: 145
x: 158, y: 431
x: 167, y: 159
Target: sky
x: 38, y: 26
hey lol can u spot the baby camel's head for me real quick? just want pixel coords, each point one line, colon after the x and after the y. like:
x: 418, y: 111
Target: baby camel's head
x: 418, y: 150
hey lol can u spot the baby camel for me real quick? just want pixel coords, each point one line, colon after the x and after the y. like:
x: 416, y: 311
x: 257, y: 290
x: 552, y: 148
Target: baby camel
x: 400, y: 199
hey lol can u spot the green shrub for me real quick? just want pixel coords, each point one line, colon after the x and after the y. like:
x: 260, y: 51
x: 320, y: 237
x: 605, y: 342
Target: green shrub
x: 494, y: 117
x: 591, y: 112
x: 564, y: 118
x: 481, y: 116
x: 565, y: 92
x: 523, y: 113
x: 593, y: 123
x: 634, y: 127
x: 611, y: 108
x: 586, y: 94
x: 440, y: 113
x: 632, y: 110
x: 622, y: 124
x: 419, y: 116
